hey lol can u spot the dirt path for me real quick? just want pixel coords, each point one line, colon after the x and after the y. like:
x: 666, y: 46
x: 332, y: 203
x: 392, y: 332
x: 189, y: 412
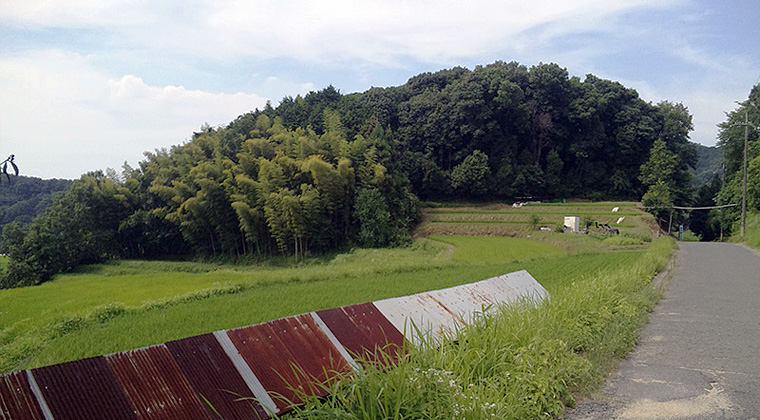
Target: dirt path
x: 699, y: 356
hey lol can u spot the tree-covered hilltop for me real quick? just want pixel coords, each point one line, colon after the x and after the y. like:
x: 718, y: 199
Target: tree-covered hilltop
x: 544, y: 134
x: 328, y: 170
x: 709, y: 165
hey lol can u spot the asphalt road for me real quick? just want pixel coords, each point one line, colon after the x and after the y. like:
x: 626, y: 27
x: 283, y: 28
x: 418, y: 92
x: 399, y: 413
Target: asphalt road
x: 699, y: 356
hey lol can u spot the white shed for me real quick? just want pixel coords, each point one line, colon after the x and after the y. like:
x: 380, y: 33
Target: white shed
x: 573, y: 223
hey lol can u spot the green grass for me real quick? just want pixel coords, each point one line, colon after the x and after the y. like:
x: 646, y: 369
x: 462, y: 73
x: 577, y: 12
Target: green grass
x: 540, y: 212
x: 496, y: 250
x: 135, y: 283
x: 603, y: 204
x: 751, y: 231
x: 144, y: 327
x: 497, y: 219
x: 127, y: 304
x: 520, y: 362
x: 112, y: 308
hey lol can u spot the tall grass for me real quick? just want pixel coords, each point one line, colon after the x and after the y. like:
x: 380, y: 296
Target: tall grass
x: 522, y: 361
x: 751, y: 231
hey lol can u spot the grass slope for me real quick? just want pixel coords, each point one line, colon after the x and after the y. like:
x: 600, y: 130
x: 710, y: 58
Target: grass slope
x: 752, y: 231
x: 130, y: 304
x: 518, y: 362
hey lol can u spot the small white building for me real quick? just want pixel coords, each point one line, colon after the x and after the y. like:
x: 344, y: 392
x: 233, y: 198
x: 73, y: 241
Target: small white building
x: 573, y: 223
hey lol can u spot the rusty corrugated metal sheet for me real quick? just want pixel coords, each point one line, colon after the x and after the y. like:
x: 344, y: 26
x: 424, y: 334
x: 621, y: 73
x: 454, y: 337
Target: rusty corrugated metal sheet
x: 155, y: 385
x: 245, y: 372
x: 443, y: 311
x: 83, y: 389
x: 289, y: 353
x: 214, y: 377
x: 17, y: 402
x: 167, y: 381
x: 363, y: 330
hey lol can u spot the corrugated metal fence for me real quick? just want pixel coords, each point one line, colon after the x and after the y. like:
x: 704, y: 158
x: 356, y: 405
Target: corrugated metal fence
x: 248, y: 372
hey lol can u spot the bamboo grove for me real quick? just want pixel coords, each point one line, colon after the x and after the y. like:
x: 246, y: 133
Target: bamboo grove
x: 246, y: 189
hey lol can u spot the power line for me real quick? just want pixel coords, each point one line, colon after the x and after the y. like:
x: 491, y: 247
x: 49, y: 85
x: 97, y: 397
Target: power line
x: 704, y: 208
x: 689, y: 208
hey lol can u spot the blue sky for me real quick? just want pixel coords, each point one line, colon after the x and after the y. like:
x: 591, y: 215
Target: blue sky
x: 90, y: 84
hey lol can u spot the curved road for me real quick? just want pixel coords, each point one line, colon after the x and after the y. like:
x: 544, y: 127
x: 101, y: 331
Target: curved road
x: 699, y: 356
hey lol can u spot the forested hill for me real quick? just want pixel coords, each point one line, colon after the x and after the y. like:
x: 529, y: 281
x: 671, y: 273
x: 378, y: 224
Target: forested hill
x: 329, y: 170
x: 505, y: 130
x: 709, y: 164
x: 22, y: 198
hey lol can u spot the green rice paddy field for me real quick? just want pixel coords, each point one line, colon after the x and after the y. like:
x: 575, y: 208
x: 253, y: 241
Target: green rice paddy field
x: 128, y: 304
x: 496, y: 219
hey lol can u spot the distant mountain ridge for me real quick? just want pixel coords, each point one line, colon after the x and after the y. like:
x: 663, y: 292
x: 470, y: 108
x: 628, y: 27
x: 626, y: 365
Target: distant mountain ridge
x: 709, y: 164
x: 23, y: 198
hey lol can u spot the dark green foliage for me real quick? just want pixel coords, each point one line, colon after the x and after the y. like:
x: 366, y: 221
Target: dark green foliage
x: 731, y: 140
x: 24, y: 198
x: 700, y: 222
x: 373, y: 218
x: 472, y: 177
x: 79, y: 228
x: 545, y: 134
x: 709, y: 165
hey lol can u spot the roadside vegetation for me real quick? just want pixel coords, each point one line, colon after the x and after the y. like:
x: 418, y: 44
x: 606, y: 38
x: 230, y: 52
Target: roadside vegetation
x: 752, y: 231
x: 520, y: 361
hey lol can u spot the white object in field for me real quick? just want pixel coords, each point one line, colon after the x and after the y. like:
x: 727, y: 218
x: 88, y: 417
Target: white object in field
x: 432, y: 315
x: 615, y: 209
x: 620, y: 220
x: 573, y: 223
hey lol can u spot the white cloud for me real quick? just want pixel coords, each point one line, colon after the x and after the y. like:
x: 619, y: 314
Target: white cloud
x: 62, y: 117
x: 76, y: 13
x: 386, y: 31
x: 326, y: 32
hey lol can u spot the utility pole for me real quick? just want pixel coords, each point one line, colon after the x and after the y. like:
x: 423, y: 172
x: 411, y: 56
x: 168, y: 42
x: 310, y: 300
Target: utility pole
x: 744, y: 182
x: 746, y: 125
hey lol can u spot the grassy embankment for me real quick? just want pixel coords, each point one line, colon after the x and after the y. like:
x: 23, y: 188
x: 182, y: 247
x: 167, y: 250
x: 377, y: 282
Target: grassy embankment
x: 520, y: 362
x: 752, y: 231
x: 128, y: 304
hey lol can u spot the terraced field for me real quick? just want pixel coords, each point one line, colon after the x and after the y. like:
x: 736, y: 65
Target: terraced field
x: 497, y: 219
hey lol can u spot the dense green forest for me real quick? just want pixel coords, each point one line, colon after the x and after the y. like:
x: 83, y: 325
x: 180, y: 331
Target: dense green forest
x: 544, y: 134
x: 23, y: 198
x: 728, y: 190
x: 709, y: 165
x: 329, y: 170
